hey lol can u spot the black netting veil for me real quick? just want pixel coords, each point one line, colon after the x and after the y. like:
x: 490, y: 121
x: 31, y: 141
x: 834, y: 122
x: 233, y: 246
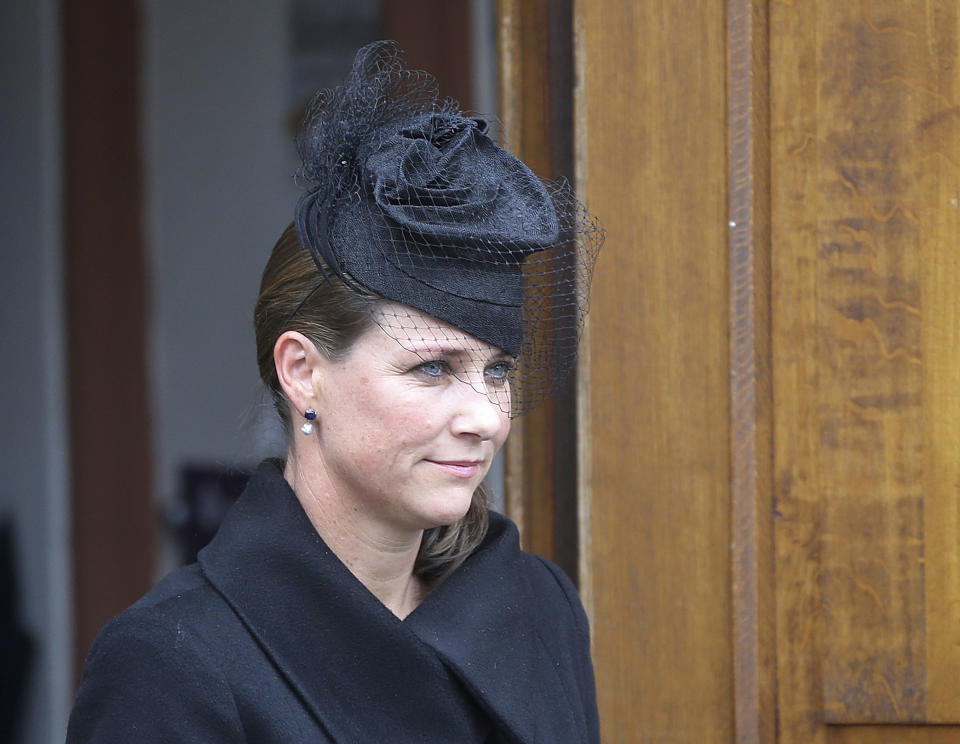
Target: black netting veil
x: 410, y: 199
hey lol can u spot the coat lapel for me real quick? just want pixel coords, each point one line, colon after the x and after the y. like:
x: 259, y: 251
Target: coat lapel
x: 365, y: 675
x: 487, y: 625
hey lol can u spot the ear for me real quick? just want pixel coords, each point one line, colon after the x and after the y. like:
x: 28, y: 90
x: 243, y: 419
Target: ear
x: 297, y: 360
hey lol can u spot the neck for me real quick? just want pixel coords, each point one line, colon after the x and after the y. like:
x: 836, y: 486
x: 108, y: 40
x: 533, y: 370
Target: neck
x: 381, y: 558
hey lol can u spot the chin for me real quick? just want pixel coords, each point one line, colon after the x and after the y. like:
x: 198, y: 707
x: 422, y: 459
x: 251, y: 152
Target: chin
x: 448, y: 510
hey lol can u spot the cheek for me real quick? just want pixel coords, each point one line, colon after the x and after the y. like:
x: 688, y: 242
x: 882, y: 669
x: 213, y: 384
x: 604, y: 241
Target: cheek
x: 391, y: 430
x: 396, y: 414
x: 504, y: 431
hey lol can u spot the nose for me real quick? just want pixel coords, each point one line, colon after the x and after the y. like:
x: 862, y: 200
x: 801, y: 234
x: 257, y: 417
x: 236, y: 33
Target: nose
x: 477, y: 414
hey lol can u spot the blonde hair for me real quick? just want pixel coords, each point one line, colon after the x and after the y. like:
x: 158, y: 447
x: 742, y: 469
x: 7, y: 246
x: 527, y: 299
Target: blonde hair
x: 294, y: 296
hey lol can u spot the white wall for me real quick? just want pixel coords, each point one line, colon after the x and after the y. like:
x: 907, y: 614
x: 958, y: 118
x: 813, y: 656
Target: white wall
x: 33, y: 439
x: 219, y: 192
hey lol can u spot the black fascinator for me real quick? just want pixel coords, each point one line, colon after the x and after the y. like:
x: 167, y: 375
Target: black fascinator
x: 410, y: 199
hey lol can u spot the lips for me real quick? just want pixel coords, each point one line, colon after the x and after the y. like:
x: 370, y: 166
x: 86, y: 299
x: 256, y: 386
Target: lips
x: 459, y: 468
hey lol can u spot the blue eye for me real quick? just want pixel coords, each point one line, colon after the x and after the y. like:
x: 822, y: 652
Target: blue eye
x: 500, y: 370
x: 433, y: 368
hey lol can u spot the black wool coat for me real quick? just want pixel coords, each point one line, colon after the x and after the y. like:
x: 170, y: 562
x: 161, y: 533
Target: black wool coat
x: 270, y: 638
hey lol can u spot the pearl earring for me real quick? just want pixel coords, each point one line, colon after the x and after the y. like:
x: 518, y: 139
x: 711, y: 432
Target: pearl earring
x: 309, y: 415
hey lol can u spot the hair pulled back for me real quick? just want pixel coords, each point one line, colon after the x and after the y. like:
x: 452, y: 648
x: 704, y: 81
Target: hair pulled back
x: 333, y: 316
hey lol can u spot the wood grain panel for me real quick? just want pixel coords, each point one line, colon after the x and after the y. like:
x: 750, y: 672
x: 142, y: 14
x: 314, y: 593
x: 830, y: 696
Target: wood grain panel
x: 750, y: 384
x: 798, y: 517
x: 435, y: 36
x: 870, y: 395
x: 937, y: 153
x: 891, y: 734
x: 524, y: 95
x: 651, y: 151
x: 536, y: 87
x: 864, y: 188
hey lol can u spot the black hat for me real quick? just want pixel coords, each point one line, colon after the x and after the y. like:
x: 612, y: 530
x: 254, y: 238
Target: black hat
x: 410, y: 199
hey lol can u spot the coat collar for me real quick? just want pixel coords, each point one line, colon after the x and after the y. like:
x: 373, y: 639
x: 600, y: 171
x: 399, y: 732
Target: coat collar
x: 471, y: 646
x: 486, y: 623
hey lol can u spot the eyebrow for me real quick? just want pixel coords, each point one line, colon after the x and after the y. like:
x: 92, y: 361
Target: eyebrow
x: 457, y: 351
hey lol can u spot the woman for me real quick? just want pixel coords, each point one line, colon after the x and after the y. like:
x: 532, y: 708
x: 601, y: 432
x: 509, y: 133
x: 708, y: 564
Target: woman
x: 359, y: 591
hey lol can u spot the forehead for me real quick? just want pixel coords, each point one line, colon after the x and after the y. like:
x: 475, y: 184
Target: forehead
x: 416, y: 331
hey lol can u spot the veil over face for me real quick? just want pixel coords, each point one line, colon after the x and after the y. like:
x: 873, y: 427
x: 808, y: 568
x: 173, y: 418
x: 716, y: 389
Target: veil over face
x: 411, y: 199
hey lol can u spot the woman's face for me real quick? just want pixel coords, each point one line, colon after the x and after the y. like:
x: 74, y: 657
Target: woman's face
x: 407, y: 434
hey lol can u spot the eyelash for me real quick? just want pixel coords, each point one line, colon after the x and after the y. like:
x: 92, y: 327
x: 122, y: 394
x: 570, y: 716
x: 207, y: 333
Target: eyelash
x: 508, y: 366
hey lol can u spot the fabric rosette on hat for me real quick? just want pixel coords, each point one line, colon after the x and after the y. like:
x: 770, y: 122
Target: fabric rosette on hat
x: 412, y: 200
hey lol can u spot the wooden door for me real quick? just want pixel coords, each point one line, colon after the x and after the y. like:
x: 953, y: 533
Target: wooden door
x: 865, y: 154
x: 105, y: 282
x: 768, y: 404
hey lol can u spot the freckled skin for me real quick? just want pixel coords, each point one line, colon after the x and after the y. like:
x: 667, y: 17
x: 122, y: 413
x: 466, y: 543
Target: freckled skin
x: 405, y: 447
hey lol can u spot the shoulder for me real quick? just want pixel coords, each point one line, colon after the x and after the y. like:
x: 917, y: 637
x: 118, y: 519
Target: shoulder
x: 183, y: 615
x: 560, y: 623
x: 547, y: 580
x: 152, y: 675
x: 550, y: 579
x: 551, y: 589
x: 550, y: 582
